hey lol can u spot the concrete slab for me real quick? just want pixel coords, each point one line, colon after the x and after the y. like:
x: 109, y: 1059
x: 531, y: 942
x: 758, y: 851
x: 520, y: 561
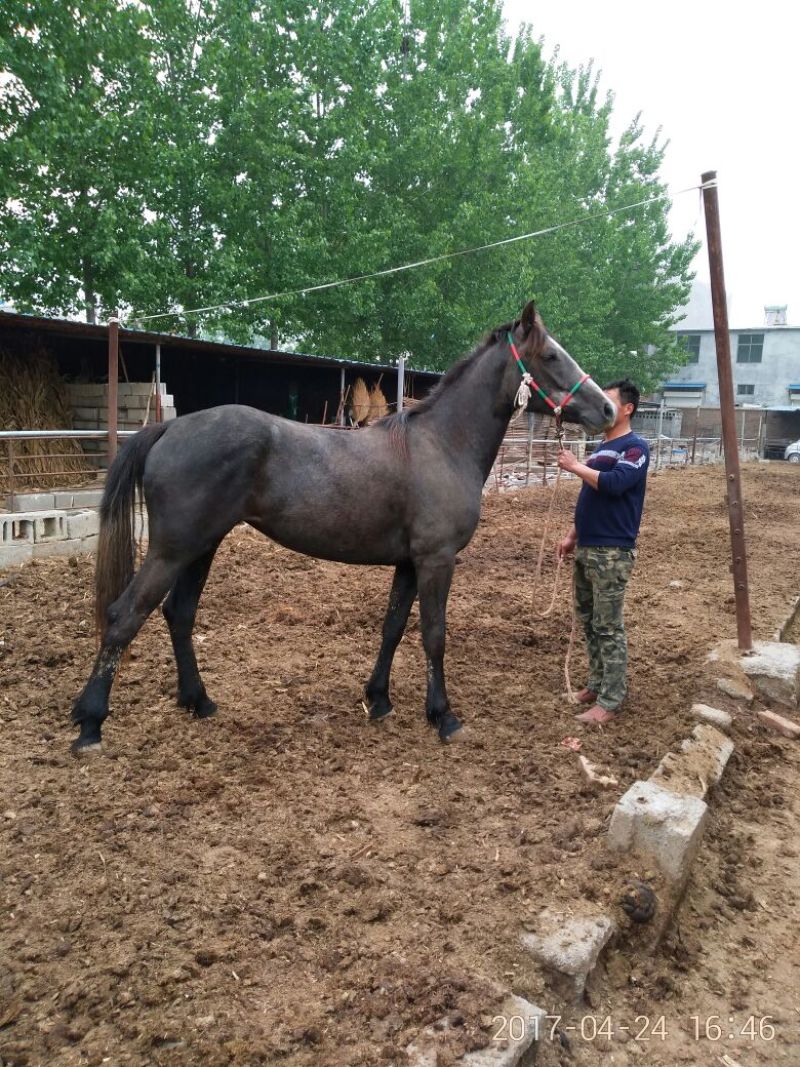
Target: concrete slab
x: 516, y: 1028
x: 60, y: 547
x: 773, y: 668
x: 721, y: 719
x: 11, y: 555
x: 27, y: 502
x: 569, y: 946
x: 664, y: 826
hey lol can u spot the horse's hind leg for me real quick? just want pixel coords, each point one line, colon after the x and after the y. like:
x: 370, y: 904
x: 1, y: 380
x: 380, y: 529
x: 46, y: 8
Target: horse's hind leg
x: 402, y: 596
x: 126, y: 617
x: 180, y: 609
x: 434, y: 577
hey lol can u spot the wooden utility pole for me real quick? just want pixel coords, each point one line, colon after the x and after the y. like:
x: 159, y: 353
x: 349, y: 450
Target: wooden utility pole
x: 727, y: 411
x: 113, y: 379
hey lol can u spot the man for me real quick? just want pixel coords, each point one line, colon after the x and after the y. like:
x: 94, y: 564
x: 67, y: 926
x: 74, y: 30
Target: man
x: 607, y: 518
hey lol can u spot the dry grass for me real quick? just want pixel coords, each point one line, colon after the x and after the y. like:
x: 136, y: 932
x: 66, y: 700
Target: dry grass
x: 33, y: 397
x: 360, y: 402
x: 378, y: 404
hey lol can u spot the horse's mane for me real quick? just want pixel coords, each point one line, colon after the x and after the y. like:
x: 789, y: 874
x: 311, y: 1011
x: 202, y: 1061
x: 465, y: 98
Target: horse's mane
x: 397, y: 422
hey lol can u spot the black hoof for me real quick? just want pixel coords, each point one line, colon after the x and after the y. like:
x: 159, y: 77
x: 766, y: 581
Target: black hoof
x: 380, y: 708
x: 199, y: 707
x: 450, y: 727
x: 88, y: 742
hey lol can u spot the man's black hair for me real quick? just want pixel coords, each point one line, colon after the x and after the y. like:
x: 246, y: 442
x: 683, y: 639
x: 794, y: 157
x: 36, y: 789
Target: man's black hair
x: 628, y: 392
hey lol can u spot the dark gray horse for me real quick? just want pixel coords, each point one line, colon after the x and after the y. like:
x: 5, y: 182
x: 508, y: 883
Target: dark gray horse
x: 303, y: 486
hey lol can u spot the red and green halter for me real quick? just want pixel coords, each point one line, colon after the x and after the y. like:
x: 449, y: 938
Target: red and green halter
x: 529, y: 383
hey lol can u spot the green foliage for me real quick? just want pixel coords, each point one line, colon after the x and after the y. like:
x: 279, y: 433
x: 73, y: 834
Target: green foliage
x: 186, y: 153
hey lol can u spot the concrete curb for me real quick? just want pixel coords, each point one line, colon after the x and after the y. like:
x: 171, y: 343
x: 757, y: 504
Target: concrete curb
x: 516, y: 1030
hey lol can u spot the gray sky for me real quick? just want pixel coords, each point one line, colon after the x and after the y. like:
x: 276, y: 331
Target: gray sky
x: 721, y: 80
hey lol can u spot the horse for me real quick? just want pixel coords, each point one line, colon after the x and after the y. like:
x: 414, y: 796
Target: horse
x: 302, y: 486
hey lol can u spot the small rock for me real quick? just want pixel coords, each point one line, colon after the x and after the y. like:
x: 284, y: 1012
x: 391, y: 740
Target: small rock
x: 713, y: 715
x: 736, y: 689
x: 676, y: 583
x: 780, y: 725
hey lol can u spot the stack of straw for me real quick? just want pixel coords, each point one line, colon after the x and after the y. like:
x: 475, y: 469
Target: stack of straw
x: 33, y: 397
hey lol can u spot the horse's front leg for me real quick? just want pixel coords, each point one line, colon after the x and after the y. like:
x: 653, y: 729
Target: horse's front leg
x: 401, y: 598
x: 434, y: 577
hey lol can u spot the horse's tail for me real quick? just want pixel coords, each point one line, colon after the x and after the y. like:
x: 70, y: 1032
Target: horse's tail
x: 116, y: 545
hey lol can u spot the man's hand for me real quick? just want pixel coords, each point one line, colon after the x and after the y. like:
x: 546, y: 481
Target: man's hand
x: 567, y: 461
x: 567, y: 545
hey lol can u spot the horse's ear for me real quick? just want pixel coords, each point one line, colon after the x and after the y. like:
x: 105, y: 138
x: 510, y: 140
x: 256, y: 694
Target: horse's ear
x: 528, y: 318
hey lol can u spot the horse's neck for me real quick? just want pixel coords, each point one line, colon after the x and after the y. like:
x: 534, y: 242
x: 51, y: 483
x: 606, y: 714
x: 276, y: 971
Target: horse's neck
x: 472, y: 415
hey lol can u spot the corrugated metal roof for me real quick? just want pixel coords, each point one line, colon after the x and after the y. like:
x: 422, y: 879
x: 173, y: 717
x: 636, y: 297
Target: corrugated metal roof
x: 69, y: 328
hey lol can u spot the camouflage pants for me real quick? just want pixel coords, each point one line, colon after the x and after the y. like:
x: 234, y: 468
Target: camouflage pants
x: 601, y: 575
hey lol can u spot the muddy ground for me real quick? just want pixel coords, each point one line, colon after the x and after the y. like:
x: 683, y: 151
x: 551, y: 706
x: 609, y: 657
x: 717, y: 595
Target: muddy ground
x: 286, y: 884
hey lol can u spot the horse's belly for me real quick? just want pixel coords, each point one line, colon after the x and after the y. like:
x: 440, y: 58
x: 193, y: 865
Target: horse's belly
x: 353, y: 542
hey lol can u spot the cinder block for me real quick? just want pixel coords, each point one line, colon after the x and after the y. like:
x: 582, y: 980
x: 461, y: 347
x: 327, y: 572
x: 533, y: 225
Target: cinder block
x: 49, y: 527
x: 721, y: 719
x: 11, y: 555
x: 89, y: 544
x: 569, y: 947
x: 82, y: 389
x: 664, y: 826
x: 83, y: 524
x: 773, y: 668
x: 516, y: 1027
x: 61, y: 547
x: 17, y: 528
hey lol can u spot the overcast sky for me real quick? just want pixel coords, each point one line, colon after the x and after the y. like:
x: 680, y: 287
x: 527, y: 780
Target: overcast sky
x: 721, y: 80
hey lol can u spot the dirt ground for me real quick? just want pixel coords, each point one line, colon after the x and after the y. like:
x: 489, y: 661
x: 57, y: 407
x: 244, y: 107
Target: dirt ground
x: 286, y: 884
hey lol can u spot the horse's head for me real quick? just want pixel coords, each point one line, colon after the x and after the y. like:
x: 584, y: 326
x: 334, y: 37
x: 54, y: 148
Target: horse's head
x: 558, y: 376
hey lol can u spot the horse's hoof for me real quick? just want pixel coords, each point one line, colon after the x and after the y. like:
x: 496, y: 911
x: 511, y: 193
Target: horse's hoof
x: 81, y: 750
x: 450, y: 728
x: 204, y: 709
x: 379, y: 710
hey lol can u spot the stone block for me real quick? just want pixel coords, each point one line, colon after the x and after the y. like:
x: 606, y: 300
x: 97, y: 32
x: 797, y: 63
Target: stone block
x: 738, y: 690
x: 779, y: 724
x: 569, y: 946
x: 49, y: 527
x: 516, y: 1028
x: 83, y: 524
x: 721, y: 719
x: 773, y: 668
x: 17, y: 529
x: 662, y: 825
x: 698, y: 765
x: 89, y: 544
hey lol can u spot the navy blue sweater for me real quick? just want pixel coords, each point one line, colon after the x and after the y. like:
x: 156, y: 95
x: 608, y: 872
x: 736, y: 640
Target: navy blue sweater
x: 611, y: 513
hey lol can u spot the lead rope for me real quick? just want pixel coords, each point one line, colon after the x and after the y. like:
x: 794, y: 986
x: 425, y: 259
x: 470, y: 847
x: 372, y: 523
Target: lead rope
x: 538, y: 573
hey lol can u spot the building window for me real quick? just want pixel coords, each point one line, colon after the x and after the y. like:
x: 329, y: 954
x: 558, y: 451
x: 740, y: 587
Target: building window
x: 691, y: 342
x: 749, y: 347
x: 745, y: 390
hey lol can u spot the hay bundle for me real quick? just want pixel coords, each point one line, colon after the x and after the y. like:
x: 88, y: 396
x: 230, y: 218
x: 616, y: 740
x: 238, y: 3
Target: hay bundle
x: 378, y: 404
x: 33, y: 397
x: 360, y: 402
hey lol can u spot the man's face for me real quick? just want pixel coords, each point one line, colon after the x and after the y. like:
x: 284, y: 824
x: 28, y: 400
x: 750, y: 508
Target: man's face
x: 624, y: 411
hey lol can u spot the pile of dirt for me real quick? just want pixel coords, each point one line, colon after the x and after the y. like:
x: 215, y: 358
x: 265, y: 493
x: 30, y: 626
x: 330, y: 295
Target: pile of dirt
x: 287, y: 884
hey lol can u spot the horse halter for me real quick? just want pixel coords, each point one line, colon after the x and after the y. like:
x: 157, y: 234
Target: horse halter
x: 528, y: 383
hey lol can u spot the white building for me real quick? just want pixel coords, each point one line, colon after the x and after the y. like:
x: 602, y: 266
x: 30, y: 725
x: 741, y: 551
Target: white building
x: 765, y: 359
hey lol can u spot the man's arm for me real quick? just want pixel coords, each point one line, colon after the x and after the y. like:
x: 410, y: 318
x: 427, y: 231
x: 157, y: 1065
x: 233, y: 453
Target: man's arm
x: 567, y: 461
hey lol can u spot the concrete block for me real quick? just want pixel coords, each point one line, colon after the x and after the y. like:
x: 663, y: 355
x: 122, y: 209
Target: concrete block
x: 516, y: 1027
x: 721, y: 719
x: 95, y: 389
x: 698, y: 765
x: 11, y: 555
x: 17, y: 529
x: 86, y: 498
x: 89, y: 544
x: 664, y: 826
x: 779, y: 724
x: 736, y: 689
x: 60, y: 547
x: 26, y: 502
x: 569, y: 947
x: 83, y: 524
x: 773, y: 668
x: 49, y: 527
